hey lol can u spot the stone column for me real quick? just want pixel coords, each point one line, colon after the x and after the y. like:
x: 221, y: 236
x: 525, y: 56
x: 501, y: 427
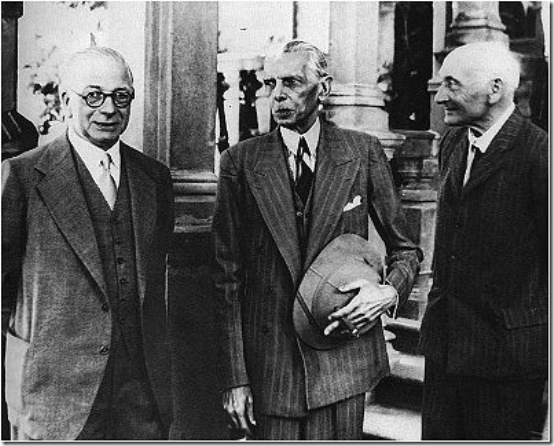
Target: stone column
x: 180, y: 109
x: 11, y: 12
x: 180, y: 90
x: 356, y: 102
x: 475, y: 21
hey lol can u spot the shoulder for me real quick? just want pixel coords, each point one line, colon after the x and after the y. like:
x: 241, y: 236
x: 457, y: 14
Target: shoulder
x: 534, y: 134
x: 154, y: 168
x: 23, y: 165
x: 247, y: 152
x: 352, y: 136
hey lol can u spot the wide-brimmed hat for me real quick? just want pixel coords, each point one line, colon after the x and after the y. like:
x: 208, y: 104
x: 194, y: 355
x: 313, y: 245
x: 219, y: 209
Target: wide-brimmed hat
x: 347, y: 258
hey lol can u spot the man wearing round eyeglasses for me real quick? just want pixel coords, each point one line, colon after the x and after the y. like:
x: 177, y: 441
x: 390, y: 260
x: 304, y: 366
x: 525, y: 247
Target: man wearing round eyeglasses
x: 86, y: 222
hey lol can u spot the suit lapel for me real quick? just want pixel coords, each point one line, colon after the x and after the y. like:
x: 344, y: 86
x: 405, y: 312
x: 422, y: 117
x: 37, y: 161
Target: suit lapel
x: 142, y: 192
x: 492, y: 159
x: 271, y: 188
x: 456, y: 167
x: 62, y: 193
x: 336, y: 170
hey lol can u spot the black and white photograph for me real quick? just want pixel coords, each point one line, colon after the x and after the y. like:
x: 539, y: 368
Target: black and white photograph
x: 276, y: 221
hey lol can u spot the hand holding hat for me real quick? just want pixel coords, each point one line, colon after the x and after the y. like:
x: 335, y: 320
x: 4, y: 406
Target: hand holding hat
x: 365, y: 308
x: 341, y: 283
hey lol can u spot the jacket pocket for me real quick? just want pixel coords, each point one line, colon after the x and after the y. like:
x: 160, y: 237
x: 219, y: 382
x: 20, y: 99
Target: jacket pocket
x: 16, y: 353
x: 519, y: 317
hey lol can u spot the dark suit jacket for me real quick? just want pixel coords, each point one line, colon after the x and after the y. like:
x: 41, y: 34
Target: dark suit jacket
x: 488, y: 308
x: 259, y: 269
x: 56, y: 324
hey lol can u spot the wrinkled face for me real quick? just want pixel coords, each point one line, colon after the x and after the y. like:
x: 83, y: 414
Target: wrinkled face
x: 294, y: 90
x: 101, y: 126
x: 464, y: 95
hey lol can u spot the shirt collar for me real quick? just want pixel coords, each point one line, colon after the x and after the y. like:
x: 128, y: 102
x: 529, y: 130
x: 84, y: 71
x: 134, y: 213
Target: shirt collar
x: 483, y: 142
x: 91, y: 154
x: 291, y: 138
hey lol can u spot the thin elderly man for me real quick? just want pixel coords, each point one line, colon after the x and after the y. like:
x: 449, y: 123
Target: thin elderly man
x: 485, y: 333
x: 86, y: 222
x: 281, y: 199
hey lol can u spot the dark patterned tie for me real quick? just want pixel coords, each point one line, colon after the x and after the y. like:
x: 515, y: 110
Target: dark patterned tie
x: 304, y: 175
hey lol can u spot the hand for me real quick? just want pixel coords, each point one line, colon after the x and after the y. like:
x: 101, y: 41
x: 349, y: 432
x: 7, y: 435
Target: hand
x: 239, y: 405
x: 365, y: 308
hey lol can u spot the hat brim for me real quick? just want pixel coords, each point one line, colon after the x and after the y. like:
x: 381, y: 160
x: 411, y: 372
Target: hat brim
x: 347, y: 258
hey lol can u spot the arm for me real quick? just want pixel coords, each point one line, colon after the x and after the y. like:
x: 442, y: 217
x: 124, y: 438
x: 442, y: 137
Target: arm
x: 403, y: 256
x: 227, y: 232
x: 13, y: 238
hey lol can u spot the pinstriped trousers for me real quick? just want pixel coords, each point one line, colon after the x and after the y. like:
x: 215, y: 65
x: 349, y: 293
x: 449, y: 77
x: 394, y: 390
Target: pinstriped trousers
x: 339, y: 421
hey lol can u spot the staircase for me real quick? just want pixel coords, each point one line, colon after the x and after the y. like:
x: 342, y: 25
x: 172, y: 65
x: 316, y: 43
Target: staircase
x: 393, y: 407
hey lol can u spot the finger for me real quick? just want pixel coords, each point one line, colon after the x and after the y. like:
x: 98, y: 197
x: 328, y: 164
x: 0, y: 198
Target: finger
x: 353, y: 285
x: 330, y: 328
x: 346, y: 311
x: 250, y: 411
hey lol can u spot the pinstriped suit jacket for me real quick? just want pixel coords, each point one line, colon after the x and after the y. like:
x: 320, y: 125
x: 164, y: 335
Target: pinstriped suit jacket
x: 259, y: 267
x: 488, y: 308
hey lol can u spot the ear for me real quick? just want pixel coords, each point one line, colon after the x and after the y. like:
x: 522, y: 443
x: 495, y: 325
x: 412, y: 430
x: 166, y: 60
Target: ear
x: 496, y: 91
x: 65, y: 104
x: 325, y: 84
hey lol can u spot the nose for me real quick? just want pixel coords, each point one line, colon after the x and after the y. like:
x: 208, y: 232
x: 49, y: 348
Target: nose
x: 279, y: 91
x: 441, y: 97
x: 108, y: 107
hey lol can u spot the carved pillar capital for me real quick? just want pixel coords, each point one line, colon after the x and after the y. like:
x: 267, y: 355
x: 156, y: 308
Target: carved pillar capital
x: 474, y: 22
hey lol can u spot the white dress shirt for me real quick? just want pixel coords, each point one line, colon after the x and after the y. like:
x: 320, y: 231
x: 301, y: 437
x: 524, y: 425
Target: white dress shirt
x: 92, y: 157
x: 291, y: 139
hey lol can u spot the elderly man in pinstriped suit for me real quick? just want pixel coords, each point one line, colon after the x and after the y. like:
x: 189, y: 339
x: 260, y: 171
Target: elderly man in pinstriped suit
x: 485, y: 331
x: 281, y: 199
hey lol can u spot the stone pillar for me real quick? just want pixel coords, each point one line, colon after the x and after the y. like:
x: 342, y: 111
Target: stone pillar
x: 181, y: 58
x: 475, y: 21
x: 356, y: 102
x: 11, y: 12
x: 180, y: 109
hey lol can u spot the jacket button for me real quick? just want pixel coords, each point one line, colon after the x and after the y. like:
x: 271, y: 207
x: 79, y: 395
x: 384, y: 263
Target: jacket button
x: 123, y: 281
x: 299, y: 214
x: 105, y: 349
x: 120, y: 260
x: 122, y: 321
x: 105, y: 307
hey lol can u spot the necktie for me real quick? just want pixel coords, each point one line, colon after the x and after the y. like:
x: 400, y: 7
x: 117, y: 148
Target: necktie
x: 106, y: 182
x: 477, y: 154
x: 304, y: 174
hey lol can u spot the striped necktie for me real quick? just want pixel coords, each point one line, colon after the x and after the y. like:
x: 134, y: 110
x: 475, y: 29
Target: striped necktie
x: 106, y: 182
x: 304, y: 174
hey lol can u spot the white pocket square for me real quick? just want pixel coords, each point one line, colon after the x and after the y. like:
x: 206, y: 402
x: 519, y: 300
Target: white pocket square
x: 354, y: 204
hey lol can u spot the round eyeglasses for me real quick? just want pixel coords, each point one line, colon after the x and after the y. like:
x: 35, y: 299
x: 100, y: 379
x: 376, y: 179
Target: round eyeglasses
x: 95, y: 99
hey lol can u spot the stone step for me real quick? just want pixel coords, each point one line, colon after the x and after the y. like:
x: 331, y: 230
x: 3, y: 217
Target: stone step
x: 391, y: 423
x: 407, y: 366
x: 406, y: 334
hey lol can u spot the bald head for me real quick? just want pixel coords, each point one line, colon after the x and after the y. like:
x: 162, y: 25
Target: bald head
x: 486, y: 61
x: 83, y: 63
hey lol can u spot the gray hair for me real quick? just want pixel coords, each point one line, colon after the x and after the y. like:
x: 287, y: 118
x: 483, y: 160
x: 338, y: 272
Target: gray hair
x: 490, y: 60
x: 68, y: 71
x: 317, y: 60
